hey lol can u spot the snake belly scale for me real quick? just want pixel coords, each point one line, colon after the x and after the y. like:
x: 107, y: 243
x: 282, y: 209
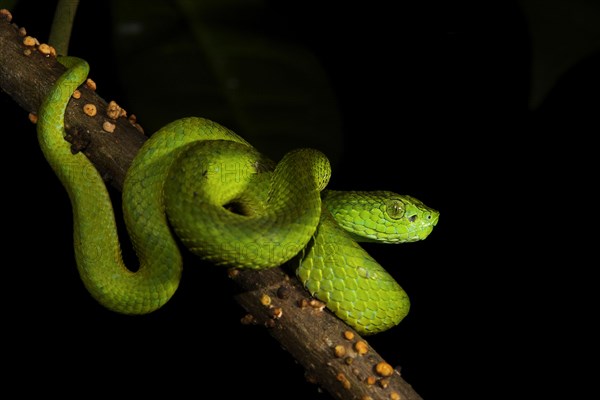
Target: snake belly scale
x: 229, y: 205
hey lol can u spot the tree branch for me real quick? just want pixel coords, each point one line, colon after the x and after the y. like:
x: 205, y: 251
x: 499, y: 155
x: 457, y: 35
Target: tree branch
x: 62, y: 24
x: 27, y: 74
x: 333, y: 355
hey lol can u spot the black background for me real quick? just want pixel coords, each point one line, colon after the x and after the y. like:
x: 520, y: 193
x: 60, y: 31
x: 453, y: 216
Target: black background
x: 435, y: 96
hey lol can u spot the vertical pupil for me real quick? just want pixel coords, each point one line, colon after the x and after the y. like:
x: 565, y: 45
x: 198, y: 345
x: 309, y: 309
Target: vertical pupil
x: 396, y: 209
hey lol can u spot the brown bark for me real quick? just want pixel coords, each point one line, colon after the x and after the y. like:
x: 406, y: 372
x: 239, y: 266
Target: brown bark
x: 27, y: 75
x: 327, y: 348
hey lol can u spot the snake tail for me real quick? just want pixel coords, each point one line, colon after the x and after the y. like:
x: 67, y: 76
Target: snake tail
x: 97, y: 248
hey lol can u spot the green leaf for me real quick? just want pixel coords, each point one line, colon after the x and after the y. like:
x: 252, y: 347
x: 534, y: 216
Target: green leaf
x: 229, y: 61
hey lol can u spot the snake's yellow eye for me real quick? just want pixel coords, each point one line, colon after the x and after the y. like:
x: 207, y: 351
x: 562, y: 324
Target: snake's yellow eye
x: 395, y: 208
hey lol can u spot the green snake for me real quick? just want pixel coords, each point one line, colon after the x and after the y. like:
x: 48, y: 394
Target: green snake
x: 231, y: 206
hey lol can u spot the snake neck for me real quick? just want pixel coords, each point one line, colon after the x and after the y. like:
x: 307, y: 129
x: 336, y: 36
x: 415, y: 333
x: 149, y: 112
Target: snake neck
x: 335, y: 269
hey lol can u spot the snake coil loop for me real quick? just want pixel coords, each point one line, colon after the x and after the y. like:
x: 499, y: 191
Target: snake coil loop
x: 229, y: 207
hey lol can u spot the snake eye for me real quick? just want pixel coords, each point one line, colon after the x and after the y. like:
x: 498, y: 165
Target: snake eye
x: 395, y: 208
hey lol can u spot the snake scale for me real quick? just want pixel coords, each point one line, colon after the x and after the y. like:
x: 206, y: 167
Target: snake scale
x: 231, y: 206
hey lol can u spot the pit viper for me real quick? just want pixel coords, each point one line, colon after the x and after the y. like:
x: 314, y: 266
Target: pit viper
x: 231, y: 206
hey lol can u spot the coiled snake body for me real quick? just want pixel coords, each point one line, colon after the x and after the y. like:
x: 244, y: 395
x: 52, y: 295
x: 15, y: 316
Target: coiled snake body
x: 231, y: 206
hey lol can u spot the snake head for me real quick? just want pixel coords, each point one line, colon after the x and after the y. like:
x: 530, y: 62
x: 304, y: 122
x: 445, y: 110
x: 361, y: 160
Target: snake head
x: 381, y: 216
